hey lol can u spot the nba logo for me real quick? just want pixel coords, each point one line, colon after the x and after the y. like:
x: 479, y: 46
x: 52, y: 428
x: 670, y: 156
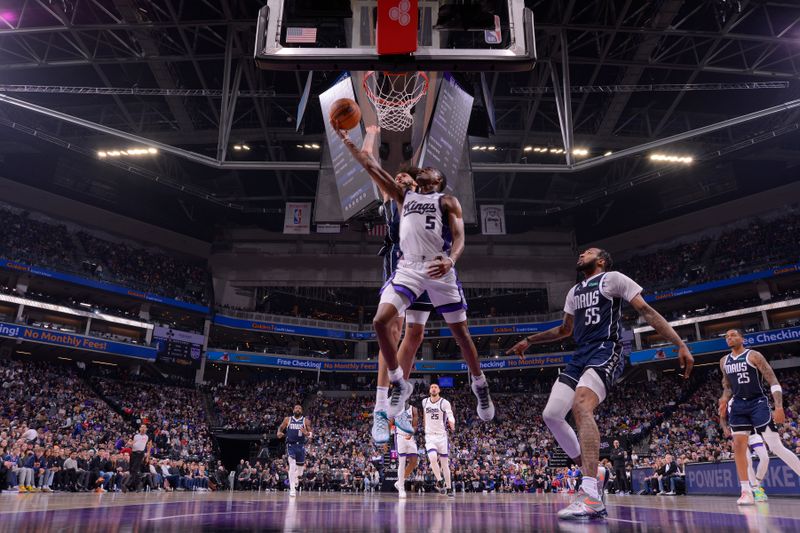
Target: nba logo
x: 298, y: 216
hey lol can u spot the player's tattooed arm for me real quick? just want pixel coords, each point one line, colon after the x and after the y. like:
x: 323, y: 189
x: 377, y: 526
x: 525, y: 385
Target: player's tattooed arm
x: 382, y: 179
x: 559, y: 332
x: 282, y: 427
x: 764, y: 367
x: 662, y: 327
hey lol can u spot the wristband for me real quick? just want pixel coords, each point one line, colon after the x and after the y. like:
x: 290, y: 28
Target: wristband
x: 776, y: 388
x: 451, y: 261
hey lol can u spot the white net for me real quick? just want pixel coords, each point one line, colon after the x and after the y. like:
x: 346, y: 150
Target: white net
x: 393, y: 95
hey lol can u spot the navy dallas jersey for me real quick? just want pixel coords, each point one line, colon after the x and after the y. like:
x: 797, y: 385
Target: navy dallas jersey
x: 745, y: 378
x: 748, y: 408
x: 294, y: 434
x: 596, y: 305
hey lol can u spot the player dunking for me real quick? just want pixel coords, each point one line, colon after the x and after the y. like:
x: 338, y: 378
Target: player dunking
x: 592, y: 314
x: 416, y: 316
x: 432, y: 240
x: 297, y: 428
x: 406, y: 447
x: 744, y: 394
x: 436, y: 411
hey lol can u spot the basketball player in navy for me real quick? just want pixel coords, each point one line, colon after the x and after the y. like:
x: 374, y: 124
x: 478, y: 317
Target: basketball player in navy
x: 296, y: 428
x: 592, y: 316
x: 743, y: 393
x: 416, y: 316
x: 432, y: 240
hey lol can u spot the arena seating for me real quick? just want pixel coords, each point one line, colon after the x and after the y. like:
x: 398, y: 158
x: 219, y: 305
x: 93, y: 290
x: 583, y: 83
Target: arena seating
x: 52, y: 245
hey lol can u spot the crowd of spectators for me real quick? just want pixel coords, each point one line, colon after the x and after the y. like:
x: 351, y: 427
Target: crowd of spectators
x: 175, y: 415
x: 259, y: 407
x: 757, y: 245
x: 48, y: 244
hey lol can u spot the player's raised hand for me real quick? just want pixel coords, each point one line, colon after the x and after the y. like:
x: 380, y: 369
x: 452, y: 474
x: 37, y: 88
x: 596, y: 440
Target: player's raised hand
x: 519, y: 348
x: 342, y: 133
x: 686, y: 360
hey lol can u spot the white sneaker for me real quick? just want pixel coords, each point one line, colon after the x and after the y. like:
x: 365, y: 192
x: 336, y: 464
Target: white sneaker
x: 485, y: 404
x: 292, y: 493
x: 401, y: 392
x: 380, y: 427
x: 746, y: 498
x: 583, y: 507
x: 401, y: 489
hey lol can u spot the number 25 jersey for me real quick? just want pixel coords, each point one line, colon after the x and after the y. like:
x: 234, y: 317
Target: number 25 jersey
x: 596, y: 304
x: 744, y: 377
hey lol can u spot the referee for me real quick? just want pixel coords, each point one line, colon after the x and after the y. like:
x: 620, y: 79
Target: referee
x: 137, y: 456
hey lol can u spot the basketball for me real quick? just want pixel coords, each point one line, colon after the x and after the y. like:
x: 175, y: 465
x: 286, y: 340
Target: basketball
x: 345, y: 113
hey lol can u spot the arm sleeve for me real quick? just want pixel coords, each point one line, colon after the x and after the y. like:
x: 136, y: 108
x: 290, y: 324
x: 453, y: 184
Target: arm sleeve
x: 569, y: 303
x: 449, y: 410
x: 618, y: 285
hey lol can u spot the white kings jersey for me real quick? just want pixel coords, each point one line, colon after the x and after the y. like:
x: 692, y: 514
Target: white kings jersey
x: 424, y: 228
x: 436, y: 416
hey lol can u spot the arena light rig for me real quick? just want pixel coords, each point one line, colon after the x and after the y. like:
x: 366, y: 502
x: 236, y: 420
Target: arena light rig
x: 134, y: 152
x: 671, y: 158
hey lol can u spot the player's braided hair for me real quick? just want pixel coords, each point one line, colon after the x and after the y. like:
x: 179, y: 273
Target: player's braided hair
x: 606, y: 257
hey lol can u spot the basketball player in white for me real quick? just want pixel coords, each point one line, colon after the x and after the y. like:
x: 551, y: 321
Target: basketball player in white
x: 432, y: 240
x: 436, y: 410
x: 406, y: 445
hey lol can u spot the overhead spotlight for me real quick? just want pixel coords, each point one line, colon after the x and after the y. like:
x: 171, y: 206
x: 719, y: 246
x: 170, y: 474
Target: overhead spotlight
x: 237, y: 147
x: 314, y: 146
x: 483, y: 147
x: 152, y: 151
x: 476, y: 147
x: 101, y: 154
x: 580, y: 151
x: 245, y: 147
x: 553, y: 150
x: 608, y: 153
x: 529, y: 148
x: 671, y: 158
x: 299, y: 145
x: 492, y: 148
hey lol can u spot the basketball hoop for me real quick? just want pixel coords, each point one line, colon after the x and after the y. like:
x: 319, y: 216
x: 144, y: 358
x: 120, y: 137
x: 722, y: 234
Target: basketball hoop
x: 393, y: 94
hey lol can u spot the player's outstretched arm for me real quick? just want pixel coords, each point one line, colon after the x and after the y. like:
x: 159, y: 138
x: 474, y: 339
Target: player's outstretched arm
x: 282, y: 427
x: 414, y: 418
x: 559, y: 332
x: 763, y: 366
x: 660, y: 324
x: 727, y: 394
x: 455, y: 217
x: 382, y: 179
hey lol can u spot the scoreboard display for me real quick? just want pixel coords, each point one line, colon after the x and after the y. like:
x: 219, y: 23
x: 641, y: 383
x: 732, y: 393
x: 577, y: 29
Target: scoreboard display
x: 178, y: 347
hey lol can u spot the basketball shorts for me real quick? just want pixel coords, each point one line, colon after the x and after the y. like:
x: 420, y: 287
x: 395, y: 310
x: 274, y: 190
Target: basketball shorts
x: 422, y: 306
x: 411, y: 280
x: 406, y: 444
x: 438, y: 444
x: 296, y: 451
x: 747, y: 416
x: 604, y: 358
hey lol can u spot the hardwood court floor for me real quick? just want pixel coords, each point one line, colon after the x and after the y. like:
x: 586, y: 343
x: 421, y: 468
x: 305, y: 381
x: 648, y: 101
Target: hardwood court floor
x: 253, y: 511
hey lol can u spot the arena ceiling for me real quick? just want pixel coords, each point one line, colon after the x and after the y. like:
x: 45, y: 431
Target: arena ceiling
x: 638, y: 71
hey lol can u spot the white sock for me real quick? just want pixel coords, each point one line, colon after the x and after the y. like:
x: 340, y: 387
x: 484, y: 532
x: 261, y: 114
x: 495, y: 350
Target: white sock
x: 589, y: 486
x: 401, y: 471
x: 292, y: 469
x: 381, y: 398
x: 396, y: 374
x: 746, y: 486
x: 298, y: 473
x: 480, y: 380
x: 763, y: 463
x: 555, y: 416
